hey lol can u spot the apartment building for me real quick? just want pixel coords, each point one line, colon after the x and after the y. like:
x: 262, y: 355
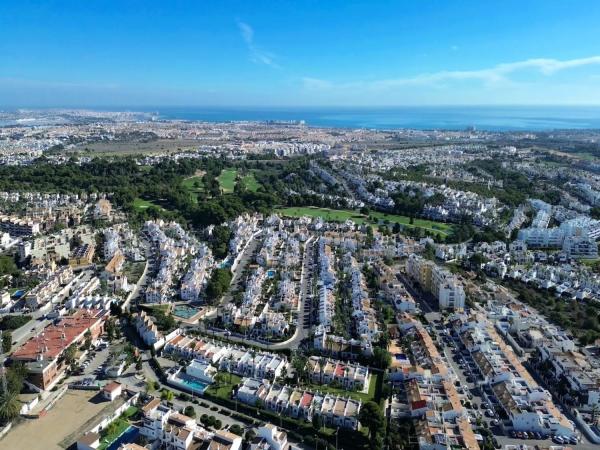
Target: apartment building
x: 171, y: 430
x: 43, y: 293
x: 444, y: 285
x: 17, y: 227
x: 42, y: 354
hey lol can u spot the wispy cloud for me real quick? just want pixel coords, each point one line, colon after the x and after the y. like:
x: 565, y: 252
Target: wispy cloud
x: 494, y: 75
x: 257, y: 55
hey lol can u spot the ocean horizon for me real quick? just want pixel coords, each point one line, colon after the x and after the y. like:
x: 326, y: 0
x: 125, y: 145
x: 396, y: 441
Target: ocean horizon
x: 488, y: 118
x: 485, y: 118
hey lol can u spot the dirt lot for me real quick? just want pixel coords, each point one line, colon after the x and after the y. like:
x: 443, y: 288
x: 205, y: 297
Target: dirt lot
x: 60, y: 427
x: 128, y: 148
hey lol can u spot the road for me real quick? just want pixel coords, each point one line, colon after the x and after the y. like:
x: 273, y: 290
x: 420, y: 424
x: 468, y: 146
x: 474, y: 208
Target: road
x: 134, y: 294
x: 301, y: 331
x: 246, y: 258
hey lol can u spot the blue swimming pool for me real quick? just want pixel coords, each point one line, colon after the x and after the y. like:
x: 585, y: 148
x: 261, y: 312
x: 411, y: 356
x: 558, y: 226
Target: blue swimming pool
x: 184, y: 311
x: 128, y: 436
x: 197, y: 386
x: 400, y: 357
x: 270, y: 273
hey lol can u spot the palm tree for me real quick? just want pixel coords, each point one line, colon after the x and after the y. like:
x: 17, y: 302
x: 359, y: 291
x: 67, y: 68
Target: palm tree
x: 9, y: 405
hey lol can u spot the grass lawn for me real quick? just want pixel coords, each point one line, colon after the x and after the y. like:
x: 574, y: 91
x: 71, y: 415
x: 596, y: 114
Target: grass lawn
x: 590, y: 262
x: 140, y: 203
x: 134, y: 271
x: 227, y: 180
x: 341, y: 215
x: 120, y: 426
x: 130, y: 412
x: 225, y: 388
x: 251, y: 183
x: 352, y: 394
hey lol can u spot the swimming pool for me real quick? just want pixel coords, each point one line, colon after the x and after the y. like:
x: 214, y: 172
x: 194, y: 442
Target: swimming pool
x: 270, y: 273
x: 185, y: 312
x: 190, y: 384
x: 400, y: 357
x: 129, y: 435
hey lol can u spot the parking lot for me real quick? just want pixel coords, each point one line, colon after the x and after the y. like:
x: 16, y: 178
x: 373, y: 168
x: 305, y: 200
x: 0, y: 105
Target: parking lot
x: 482, y: 406
x: 91, y: 366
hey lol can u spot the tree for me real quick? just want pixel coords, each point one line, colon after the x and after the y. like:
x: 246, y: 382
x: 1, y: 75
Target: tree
x: 317, y: 422
x: 167, y: 395
x: 70, y: 354
x: 151, y: 386
x: 190, y: 411
x: 250, y: 435
x: 371, y: 417
x: 110, y: 329
x: 9, y: 405
x: 6, y: 341
x: 88, y: 340
x: 218, y: 284
x: 219, y: 379
x: 236, y: 429
x: 381, y: 358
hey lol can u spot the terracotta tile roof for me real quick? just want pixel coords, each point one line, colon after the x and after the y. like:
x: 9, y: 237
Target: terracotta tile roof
x: 54, y: 339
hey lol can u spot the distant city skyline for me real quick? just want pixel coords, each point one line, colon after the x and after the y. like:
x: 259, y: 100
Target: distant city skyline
x: 299, y: 54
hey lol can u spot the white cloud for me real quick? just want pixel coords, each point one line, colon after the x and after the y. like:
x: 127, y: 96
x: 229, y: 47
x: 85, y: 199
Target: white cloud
x: 257, y: 55
x: 494, y: 75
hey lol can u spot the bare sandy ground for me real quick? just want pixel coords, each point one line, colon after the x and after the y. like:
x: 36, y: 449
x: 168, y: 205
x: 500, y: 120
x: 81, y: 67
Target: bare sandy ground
x: 63, y: 421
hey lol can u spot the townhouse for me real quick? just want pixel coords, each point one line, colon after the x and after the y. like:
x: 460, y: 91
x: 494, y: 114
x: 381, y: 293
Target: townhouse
x: 198, y: 274
x: 335, y: 411
x: 348, y: 375
x: 422, y: 353
x: 234, y: 359
x: 148, y: 330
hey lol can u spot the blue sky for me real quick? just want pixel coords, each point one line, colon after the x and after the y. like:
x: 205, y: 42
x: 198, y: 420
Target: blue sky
x: 304, y: 53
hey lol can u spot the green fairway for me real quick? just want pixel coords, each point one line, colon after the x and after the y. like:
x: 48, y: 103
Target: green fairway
x: 227, y: 180
x: 251, y: 183
x: 332, y: 215
x: 193, y: 184
x: 341, y: 215
x: 140, y: 203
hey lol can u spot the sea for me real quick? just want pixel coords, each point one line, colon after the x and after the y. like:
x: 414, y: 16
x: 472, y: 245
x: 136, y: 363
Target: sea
x: 488, y: 118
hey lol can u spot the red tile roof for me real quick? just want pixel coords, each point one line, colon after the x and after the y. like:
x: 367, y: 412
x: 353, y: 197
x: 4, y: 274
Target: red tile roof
x: 306, y: 399
x: 53, y: 339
